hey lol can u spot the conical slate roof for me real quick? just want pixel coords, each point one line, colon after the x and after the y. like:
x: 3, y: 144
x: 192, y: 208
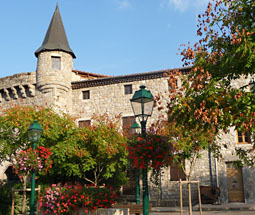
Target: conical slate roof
x: 55, y: 38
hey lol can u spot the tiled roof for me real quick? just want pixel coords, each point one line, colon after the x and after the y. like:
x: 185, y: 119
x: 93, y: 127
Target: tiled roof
x: 89, y: 74
x: 125, y: 78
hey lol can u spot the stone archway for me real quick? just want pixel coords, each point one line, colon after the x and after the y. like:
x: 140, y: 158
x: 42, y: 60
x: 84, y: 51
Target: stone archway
x: 3, y: 167
x: 6, y: 172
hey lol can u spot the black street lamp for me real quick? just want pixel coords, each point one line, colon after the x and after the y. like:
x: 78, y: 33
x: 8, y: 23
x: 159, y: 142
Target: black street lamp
x: 34, y: 133
x: 142, y: 105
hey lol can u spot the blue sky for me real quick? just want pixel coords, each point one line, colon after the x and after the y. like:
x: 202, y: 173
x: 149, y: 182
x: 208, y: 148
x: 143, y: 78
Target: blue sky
x: 111, y: 37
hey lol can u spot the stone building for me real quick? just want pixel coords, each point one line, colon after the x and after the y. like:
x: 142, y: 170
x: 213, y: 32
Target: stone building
x: 55, y: 83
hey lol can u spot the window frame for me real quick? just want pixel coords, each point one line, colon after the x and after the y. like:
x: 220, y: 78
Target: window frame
x: 55, y: 62
x: 128, y: 89
x: 84, y: 123
x: 127, y: 130
x: 175, y: 168
x: 243, y: 137
x: 86, y: 94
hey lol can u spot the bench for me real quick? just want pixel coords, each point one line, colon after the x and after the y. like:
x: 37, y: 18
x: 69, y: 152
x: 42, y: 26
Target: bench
x: 133, y: 208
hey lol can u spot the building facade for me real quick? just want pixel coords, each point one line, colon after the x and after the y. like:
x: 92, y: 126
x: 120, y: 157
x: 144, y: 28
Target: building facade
x: 56, y: 84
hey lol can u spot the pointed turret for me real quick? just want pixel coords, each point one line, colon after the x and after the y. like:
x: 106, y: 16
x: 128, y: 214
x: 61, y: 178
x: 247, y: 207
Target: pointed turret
x: 55, y: 39
x: 55, y: 66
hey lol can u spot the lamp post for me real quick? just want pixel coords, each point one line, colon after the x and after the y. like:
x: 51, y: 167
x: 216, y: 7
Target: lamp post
x: 142, y: 105
x: 34, y: 134
x: 135, y: 128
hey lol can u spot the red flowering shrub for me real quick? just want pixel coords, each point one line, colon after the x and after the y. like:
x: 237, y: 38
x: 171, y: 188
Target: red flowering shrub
x: 68, y: 198
x: 102, y: 197
x: 150, y: 151
x: 29, y: 160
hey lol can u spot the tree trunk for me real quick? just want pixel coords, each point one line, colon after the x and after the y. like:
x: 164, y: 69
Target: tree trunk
x: 24, y: 195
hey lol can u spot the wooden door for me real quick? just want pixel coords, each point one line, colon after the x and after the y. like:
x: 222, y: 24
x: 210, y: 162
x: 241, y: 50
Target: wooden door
x: 235, y: 184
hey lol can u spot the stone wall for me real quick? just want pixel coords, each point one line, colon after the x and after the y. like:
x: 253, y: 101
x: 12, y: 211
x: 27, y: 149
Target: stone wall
x: 112, y: 100
x: 17, y: 88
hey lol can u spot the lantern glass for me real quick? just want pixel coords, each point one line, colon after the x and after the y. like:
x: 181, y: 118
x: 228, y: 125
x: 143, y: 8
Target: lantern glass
x: 34, y: 132
x: 34, y: 135
x: 135, y: 128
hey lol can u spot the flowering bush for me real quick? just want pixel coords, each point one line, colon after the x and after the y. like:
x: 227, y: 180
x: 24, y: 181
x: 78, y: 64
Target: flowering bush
x: 32, y: 160
x: 102, y: 197
x: 151, y: 150
x: 68, y: 198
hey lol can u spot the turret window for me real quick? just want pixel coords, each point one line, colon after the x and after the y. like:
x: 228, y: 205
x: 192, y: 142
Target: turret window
x: 55, y: 63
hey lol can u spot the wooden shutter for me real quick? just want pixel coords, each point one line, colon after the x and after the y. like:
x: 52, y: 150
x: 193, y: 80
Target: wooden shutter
x: 127, y: 122
x: 84, y: 123
x: 176, y: 172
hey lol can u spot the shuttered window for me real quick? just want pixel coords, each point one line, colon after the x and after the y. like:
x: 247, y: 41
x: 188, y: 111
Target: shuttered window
x: 84, y: 123
x: 176, y: 172
x: 127, y: 122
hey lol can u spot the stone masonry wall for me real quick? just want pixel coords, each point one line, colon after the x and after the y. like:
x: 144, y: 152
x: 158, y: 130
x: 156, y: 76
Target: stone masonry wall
x: 111, y: 99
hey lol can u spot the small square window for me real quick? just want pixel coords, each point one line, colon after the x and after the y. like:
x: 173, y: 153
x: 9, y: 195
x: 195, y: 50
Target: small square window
x: 243, y: 137
x: 86, y: 94
x: 128, y: 89
x: 55, y: 63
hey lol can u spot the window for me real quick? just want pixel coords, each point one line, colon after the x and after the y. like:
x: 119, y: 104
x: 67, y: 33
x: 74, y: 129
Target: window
x: 128, y: 89
x: 86, y: 94
x: 84, y: 123
x: 127, y: 122
x: 176, y: 172
x: 243, y: 137
x: 55, y: 63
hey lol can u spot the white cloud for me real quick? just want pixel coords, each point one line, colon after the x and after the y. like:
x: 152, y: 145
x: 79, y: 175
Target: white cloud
x: 123, y: 4
x: 183, y: 5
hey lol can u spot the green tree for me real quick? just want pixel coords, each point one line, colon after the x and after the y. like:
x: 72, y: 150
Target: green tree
x: 225, y: 52
x: 99, y: 155
x: 15, y: 121
x: 96, y: 154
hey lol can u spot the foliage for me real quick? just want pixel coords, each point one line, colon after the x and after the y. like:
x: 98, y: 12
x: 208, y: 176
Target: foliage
x: 68, y: 198
x: 98, y: 156
x: 208, y: 102
x: 5, y: 197
x: 15, y: 121
x: 19, y: 203
x: 150, y: 150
